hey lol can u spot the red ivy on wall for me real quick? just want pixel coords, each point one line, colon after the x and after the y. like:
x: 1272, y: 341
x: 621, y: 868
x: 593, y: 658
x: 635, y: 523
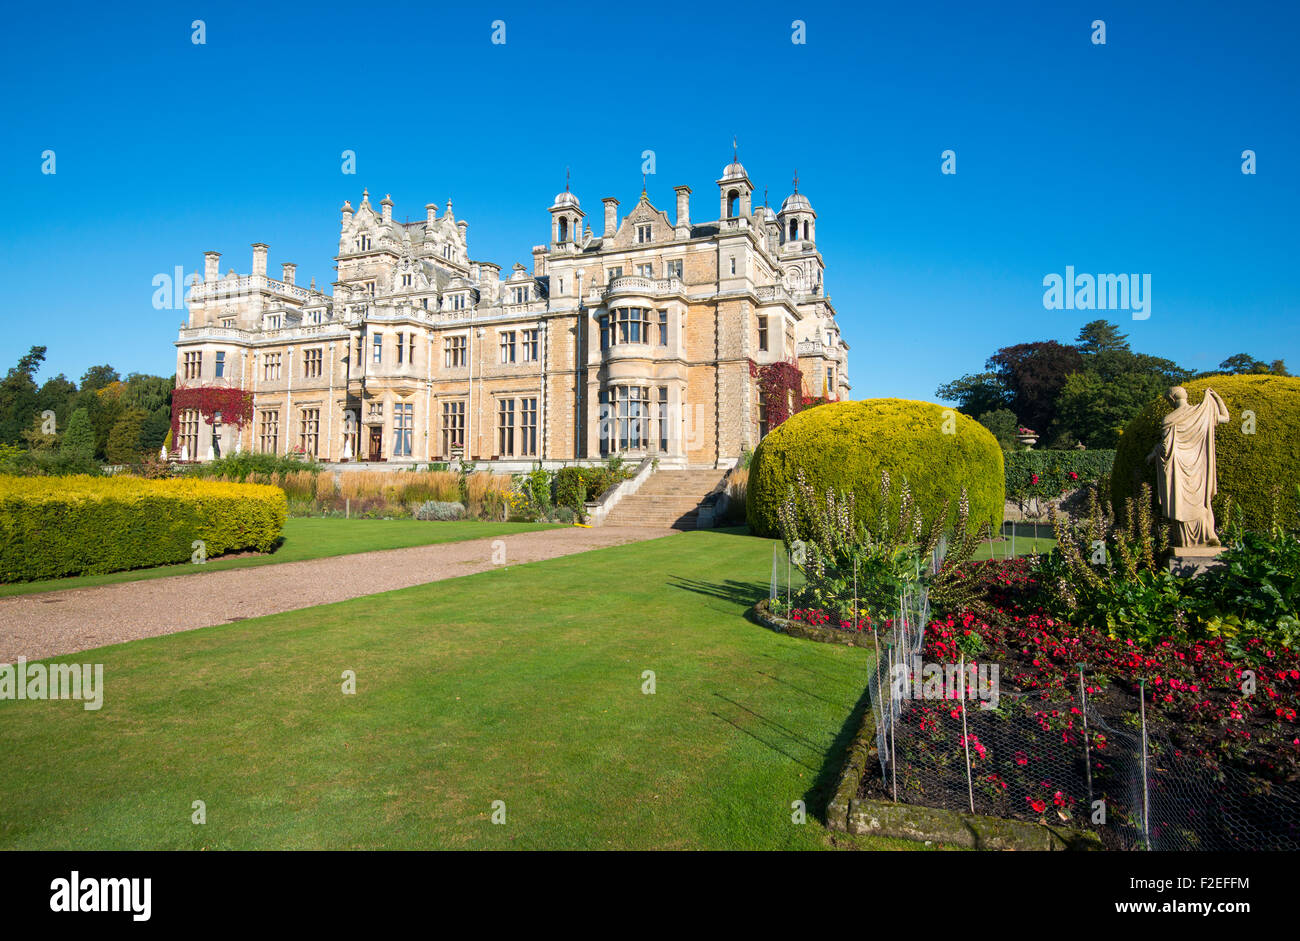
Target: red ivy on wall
x: 235, y: 405
x: 780, y: 387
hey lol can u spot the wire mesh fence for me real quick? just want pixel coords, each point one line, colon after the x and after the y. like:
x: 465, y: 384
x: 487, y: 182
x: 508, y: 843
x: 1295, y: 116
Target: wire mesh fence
x: 1062, y: 759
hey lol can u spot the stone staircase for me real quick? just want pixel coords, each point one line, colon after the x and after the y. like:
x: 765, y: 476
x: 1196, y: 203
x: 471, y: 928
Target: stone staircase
x: 667, y: 500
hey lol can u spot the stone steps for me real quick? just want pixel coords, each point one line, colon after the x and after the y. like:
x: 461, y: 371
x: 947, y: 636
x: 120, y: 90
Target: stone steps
x: 667, y: 500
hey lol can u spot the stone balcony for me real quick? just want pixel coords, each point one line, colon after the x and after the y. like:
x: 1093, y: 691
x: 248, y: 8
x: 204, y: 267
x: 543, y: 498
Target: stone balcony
x: 636, y: 285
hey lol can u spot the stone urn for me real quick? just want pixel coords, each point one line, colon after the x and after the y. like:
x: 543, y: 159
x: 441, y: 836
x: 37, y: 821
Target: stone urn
x: 1027, y: 438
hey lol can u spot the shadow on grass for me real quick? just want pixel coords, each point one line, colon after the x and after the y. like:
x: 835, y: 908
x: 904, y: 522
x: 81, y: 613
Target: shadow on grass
x: 775, y: 746
x: 743, y: 594
x: 821, y: 791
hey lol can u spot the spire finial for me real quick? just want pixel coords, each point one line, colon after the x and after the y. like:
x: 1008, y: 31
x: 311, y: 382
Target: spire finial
x: 764, y: 197
x: 796, y: 181
x: 735, y: 149
x: 642, y: 185
x: 566, y: 179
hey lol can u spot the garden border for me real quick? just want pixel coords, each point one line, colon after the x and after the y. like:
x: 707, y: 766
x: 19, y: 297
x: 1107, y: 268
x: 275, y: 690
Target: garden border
x: 848, y: 813
x: 826, y: 635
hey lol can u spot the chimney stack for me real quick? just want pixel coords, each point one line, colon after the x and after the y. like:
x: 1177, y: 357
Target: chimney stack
x: 259, y: 258
x: 539, y: 260
x: 347, y: 212
x: 683, y: 208
x: 289, y: 270
x: 386, y: 204
x: 430, y: 213
x: 611, y: 216
x: 211, y: 266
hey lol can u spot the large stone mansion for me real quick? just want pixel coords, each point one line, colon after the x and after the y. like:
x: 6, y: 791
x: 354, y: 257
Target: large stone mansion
x: 638, y: 340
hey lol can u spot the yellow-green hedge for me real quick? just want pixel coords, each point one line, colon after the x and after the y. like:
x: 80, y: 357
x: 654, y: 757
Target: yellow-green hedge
x: 56, y: 526
x: 1251, y: 466
x: 845, y: 445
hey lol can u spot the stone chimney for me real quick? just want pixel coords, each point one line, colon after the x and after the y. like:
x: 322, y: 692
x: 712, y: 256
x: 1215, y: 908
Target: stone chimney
x: 611, y: 216
x: 211, y: 266
x: 259, y: 258
x: 463, y: 225
x: 289, y: 272
x: 386, y: 204
x: 683, y: 209
x: 347, y: 212
x: 430, y: 213
x: 539, y: 260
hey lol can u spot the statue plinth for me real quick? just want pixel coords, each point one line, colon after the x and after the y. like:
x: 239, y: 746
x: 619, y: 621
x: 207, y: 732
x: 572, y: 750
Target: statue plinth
x: 1190, y: 561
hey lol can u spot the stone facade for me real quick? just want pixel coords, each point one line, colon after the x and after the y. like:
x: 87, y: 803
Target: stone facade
x: 634, y: 341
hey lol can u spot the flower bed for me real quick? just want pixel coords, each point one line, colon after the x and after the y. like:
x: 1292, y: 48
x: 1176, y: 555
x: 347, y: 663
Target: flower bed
x: 1223, y: 741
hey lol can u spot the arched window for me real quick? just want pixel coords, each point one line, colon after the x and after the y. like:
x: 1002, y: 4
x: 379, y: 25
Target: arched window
x: 794, y: 229
x: 733, y: 204
x: 805, y: 230
x: 564, y: 229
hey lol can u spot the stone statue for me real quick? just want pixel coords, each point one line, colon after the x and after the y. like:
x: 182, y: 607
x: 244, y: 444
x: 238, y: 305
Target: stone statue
x: 1188, y: 478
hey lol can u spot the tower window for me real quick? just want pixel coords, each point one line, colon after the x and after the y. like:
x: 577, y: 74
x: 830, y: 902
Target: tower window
x: 644, y: 233
x: 733, y: 204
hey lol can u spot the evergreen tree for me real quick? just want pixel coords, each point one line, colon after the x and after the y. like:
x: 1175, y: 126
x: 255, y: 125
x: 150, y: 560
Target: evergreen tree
x: 123, y: 445
x: 79, y: 438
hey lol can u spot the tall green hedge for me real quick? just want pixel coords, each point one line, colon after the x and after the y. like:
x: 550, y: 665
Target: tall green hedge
x: 845, y: 445
x: 79, y: 525
x: 1053, y: 470
x: 1252, y: 466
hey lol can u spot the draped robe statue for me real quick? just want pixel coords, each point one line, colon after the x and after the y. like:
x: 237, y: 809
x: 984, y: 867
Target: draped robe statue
x: 1188, y: 477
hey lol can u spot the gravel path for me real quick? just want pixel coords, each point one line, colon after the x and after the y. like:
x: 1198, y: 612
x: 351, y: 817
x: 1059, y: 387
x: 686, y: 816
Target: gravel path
x: 52, y: 623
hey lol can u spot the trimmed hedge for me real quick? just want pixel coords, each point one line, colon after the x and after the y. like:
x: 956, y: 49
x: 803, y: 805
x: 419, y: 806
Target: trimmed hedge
x: 1053, y: 469
x: 51, y: 527
x: 845, y: 445
x: 1251, y: 466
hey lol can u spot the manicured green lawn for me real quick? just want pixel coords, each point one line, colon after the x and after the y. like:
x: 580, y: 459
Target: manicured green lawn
x: 522, y: 685
x: 306, y: 539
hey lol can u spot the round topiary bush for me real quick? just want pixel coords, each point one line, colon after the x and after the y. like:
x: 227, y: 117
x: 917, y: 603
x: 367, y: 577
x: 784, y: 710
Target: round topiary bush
x: 844, y: 446
x: 1257, y: 451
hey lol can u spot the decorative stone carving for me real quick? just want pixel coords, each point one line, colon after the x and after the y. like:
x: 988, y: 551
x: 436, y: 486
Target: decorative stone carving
x: 1188, y: 477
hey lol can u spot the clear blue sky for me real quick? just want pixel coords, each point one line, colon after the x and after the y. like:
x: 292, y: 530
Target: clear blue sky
x: 1117, y: 158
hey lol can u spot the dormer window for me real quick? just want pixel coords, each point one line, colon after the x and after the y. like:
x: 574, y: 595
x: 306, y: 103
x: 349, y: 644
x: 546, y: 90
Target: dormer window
x: 362, y: 243
x: 446, y: 252
x: 457, y: 301
x: 519, y: 295
x: 274, y: 321
x: 406, y: 280
x: 644, y: 233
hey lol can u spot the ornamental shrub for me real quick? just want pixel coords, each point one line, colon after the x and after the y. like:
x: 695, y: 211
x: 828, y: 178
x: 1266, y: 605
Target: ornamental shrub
x: 1052, y: 470
x: 79, y: 525
x: 844, y: 446
x: 1257, y: 450
x: 440, y: 510
x: 575, y: 486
